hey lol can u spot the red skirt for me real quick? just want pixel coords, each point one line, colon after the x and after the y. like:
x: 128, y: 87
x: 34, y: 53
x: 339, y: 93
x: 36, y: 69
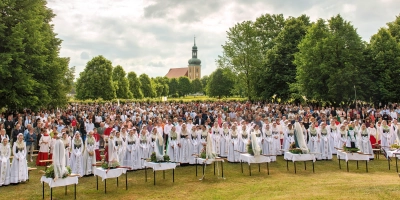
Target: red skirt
x: 42, y: 156
x: 373, y: 141
x: 98, y: 158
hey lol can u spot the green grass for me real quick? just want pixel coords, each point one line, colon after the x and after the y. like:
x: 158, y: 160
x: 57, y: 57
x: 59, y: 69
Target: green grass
x: 328, y: 182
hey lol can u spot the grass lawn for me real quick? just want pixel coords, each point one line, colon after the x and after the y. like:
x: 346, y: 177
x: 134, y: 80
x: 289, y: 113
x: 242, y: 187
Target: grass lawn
x: 328, y: 182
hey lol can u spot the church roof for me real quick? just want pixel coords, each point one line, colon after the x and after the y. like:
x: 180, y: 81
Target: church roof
x: 177, y: 72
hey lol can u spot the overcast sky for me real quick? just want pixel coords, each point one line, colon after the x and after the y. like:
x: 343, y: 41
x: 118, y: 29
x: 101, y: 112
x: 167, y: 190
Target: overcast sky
x: 152, y: 36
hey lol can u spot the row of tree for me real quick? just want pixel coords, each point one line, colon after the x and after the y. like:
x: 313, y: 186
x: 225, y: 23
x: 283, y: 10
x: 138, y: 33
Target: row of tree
x: 326, y: 60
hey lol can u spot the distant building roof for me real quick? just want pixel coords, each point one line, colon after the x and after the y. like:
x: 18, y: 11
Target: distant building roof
x: 177, y: 72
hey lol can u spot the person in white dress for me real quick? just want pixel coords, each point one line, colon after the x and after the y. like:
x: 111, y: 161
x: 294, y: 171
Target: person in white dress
x: 268, y: 143
x: 393, y: 131
x: 233, y: 150
x: 194, y: 144
x: 59, y: 159
x: 119, y: 146
x: 341, y: 138
x: 131, y: 156
x: 19, y: 167
x: 364, y: 142
x: 77, y: 155
x: 244, y: 139
x: 384, y: 132
x: 216, y: 137
x: 288, y: 137
x: 276, y: 139
x: 173, y: 145
x: 333, y: 134
x: 352, y: 137
x: 89, y: 155
x: 153, y: 137
x: 373, y: 135
x: 144, y: 146
x: 203, y: 137
x: 184, y: 150
x: 313, y: 143
x: 258, y: 135
x: 224, y: 140
x: 67, y: 146
x: 325, y: 148
x: 5, y: 153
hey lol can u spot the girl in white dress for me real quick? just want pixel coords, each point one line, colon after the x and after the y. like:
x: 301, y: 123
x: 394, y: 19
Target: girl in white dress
x: 89, y: 156
x: 333, y: 134
x: 131, y: 156
x: 384, y: 132
x: 194, y: 144
x: 67, y: 145
x: 203, y: 137
x: 216, y: 137
x: 276, y: 139
x: 288, y: 137
x: 5, y: 153
x: 173, y: 145
x: 268, y: 143
x: 184, y: 150
x: 258, y: 136
x: 364, y: 142
x: 313, y: 143
x: 153, y: 137
x: 341, y: 138
x: 233, y: 150
x: 325, y: 149
x: 244, y: 139
x: 19, y: 167
x: 77, y: 155
x: 144, y: 146
x: 119, y: 147
x: 224, y: 141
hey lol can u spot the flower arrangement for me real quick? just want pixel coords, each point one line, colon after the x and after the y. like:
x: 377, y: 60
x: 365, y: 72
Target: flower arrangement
x: 294, y: 150
x: 250, y: 149
x: 203, y: 153
x: 394, y: 146
x: 349, y: 149
x: 153, y: 158
x: 110, y: 165
x: 49, y: 173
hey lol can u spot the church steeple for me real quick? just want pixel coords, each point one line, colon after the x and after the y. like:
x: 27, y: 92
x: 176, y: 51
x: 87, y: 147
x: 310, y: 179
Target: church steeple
x: 194, y: 48
x: 194, y: 68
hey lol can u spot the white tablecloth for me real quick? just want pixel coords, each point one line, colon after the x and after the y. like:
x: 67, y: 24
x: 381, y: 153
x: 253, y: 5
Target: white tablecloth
x: 208, y: 161
x: 112, y: 173
x: 59, y: 182
x: 352, y: 156
x: 299, y: 157
x: 160, y: 166
x: 254, y: 159
x: 391, y: 153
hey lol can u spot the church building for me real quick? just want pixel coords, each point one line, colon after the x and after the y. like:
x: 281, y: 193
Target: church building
x: 193, y: 70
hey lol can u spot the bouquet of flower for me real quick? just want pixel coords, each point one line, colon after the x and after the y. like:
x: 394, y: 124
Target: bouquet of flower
x: 394, y: 146
x: 110, y: 165
x: 349, y: 149
x: 294, y: 150
x: 153, y: 158
x: 49, y: 173
x: 250, y: 149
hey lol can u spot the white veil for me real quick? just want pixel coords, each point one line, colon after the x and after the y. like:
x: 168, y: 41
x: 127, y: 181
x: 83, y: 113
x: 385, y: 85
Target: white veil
x: 256, y: 147
x: 300, y: 137
x: 209, y: 148
x: 59, y: 158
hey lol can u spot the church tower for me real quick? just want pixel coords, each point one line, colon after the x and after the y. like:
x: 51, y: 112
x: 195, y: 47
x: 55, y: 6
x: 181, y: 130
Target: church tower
x: 194, y: 64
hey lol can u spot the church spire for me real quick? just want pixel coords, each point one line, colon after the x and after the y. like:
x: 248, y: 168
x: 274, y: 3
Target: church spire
x: 195, y: 40
x: 194, y: 48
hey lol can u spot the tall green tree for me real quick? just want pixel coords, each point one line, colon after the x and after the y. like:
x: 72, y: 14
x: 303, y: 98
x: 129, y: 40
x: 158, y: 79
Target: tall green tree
x: 146, y: 86
x: 267, y: 28
x: 280, y: 71
x: 31, y: 72
x: 220, y: 83
x: 96, y: 80
x: 329, y: 60
x: 242, y: 54
x: 121, y: 83
x: 385, y: 67
x: 204, y: 80
x: 197, y: 87
x: 394, y: 28
x: 184, y: 85
x: 135, y: 86
x: 173, y: 87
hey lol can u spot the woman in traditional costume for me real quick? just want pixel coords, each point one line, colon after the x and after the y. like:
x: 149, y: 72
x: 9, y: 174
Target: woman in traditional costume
x: 288, y: 137
x: 159, y: 146
x: 384, y: 132
x: 153, y: 137
x: 119, y: 146
x: 67, y: 146
x: 268, y: 143
x: 89, y: 156
x: 276, y: 139
x: 224, y: 140
x: 234, y: 148
x: 194, y: 144
x: 173, y: 145
x: 77, y: 155
x: 97, y: 146
x: 313, y: 143
x: 44, y: 143
x: 59, y: 161
x: 144, y: 146
x: 131, y: 156
x: 325, y: 148
x: 342, y: 137
x: 19, y: 167
x: 373, y: 135
x: 351, y: 137
x: 243, y: 139
x: 333, y: 134
x: 5, y: 153
x: 184, y: 145
x: 258, y: 135
x: 203, y: 137
x: 364, y: 142
x: 216, y: 136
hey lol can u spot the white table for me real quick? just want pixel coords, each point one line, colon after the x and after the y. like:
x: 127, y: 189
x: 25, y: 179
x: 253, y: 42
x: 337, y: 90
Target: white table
x: 205, y: 162
x: 245, y: 157
x: 58, y: 183
x: 158, y: 167
x: 391, y: 154
x: 342, y: 155
x: 299, y: 157
x: 110, y: 173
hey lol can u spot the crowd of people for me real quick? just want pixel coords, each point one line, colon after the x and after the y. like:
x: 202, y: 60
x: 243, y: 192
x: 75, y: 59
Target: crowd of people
x: 131, y: 132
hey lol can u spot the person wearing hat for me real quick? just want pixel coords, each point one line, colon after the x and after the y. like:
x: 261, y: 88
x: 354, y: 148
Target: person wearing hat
x: 89, y: 155
x: 224, y: 140
x: 184, y: 144
x: 144, y: 146
x: 131, y: 156
x: 194, y: 144
x: 173, y: 145
x: 288, y: 137
x: 216, y: 137
x: 19, y: 167
x: 313, y: 143
x: 276, y: 139
x: 385, y: 136
x: 325, y: 149
x: 66, y: 139
x: 77, y: 155
x: 233, y: 144
x: 5, y: 153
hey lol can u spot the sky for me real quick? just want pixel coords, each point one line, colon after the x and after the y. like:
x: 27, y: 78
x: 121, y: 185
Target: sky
x: 152, y: 36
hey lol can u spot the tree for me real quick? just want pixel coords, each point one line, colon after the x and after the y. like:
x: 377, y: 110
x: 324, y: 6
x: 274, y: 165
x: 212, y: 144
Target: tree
x: 96, y: 80
x: 242, y: 54
x: 162, y: 88
x: 134, y: 85
x: 385, y: 67
x: 280, y: 71
x: 197, y: 87
x: 146, y: 86
x: 173, y: 87
x: 121, y: 83
x: 267, y: 28
x: 220, y: 83
x: 394, y: 28
x: 204, y: 80
x: 328, y: 62
x: 31, y: 72
x: 184, y: 86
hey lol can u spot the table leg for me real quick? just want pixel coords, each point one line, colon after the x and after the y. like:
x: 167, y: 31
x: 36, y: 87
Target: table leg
x: 51, y: 193
x: 154, y: 172
x: 259, y: 170
x: 287, y: 165
x: 105, y: 186
x: 222, y: 169
x: 214, y: 168
x: 145, y: 173
x: 163, y: 174
x: 294, y: 167
x: 97, y: 182
x: 196, y: 167
x: 173, y: 175
x: 75, y: 190
x: 305, y: 165
x: 65, y: 190
x: 340, y: 166
x: 389, y: 163
x: 357, y: 164
x: 397, y: 168
x: 366, y: 165
x: 117, y: 181
x: 347, y: 164
x: 43, y: 190
x: 268, y: 168
x: 126, y: 181
x: 203, y: 168
x: 250, y: 169
x: 313, y: 166
x: 241, y: 166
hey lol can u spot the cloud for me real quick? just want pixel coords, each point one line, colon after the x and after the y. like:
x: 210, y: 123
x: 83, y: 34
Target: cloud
x: 152, y: 36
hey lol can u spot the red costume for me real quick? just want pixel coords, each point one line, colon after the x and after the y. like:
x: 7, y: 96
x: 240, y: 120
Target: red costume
x: 97, y: 138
